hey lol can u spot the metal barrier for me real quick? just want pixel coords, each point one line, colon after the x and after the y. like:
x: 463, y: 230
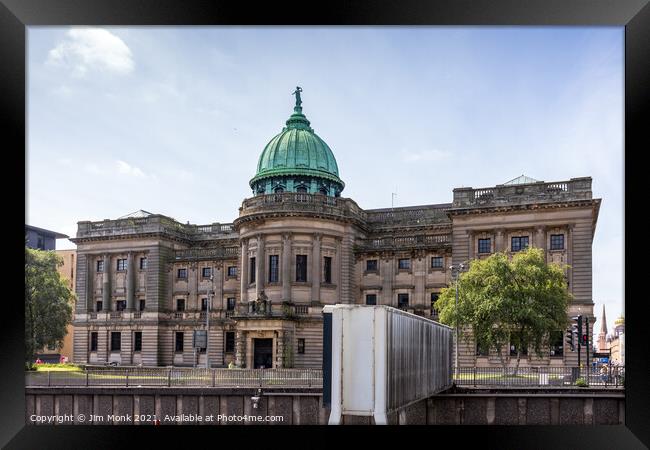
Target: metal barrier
x: 143, y: 376
x: 613, y: 376
x: 378, y: 359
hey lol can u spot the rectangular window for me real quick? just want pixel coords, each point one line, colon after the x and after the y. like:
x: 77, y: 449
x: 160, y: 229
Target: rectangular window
x: 93, y: 341
x: 402, y: 300
x: 137, y: 341
x: 206, y: 272
x: 180, y: 304
x: 301, y: 346
x: 481, y: 350
x: 230, y: 341
x: 371, y: 299
x: 327, y: 268
x: 232, y: 271
x: 231, y: 304
x: 116, y: 341
x: 179, y: 341
x: 518, y: 243
x: 252, y: 270
x: 301, y: 268
x: 100, y: 266
x: 436, y: 262
x: 556, y: 344
x: 274, y: 268
x: 204, y: 304
x: 404, y: 263
x: 182, y: 273
x: 371, y: 265
x: 143, y: 263
x: 120, y: 305
x: 121, y: 265
x: 485, y: 245
x: 142, y: 304
x: 100, y: 305
x: 557, y: 242
x: 434, y: 299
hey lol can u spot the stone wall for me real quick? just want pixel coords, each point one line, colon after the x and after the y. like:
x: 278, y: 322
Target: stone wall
x: 304, y: 406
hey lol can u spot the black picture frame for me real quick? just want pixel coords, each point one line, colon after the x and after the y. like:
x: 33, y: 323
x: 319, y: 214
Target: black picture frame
x: 634, y: 15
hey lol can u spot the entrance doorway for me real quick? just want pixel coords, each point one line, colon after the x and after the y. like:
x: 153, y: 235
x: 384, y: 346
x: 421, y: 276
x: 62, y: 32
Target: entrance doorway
x: 263, y: 353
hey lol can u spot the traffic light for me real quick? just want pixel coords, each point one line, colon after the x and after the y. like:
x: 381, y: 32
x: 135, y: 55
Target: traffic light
x: 584, y: 339
x: 569, y: 340
x: 576, y: 331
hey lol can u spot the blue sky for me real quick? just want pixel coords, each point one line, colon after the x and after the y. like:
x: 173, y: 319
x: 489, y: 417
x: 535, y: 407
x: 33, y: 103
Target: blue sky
x: 172, y: 120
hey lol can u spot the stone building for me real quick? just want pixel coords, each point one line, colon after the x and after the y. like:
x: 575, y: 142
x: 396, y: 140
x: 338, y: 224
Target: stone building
x: 145, y: 281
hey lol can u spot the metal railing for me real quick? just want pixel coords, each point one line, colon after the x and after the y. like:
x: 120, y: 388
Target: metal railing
x: 539, y: 376
x: 143, y: 376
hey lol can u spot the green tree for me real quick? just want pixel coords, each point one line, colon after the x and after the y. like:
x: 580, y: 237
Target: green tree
x: 503, y: 302
x: 48, y: 302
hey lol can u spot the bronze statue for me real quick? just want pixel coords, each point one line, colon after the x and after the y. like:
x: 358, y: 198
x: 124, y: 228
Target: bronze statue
x: 297, y: 94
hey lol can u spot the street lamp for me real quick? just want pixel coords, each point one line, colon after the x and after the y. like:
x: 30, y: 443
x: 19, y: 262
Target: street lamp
x: 455, y: 269
x: 207, y: 321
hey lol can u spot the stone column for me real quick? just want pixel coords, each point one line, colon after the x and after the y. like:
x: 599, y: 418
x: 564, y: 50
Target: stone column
x: 569, y: 255
x: 540, y: 237
x: 130, y: 282
x: 240, y: 348
x: 470, y: 246
x: 420, y: 274
x: 106, y: 283
x: 259, y: 267
x: 498, y: 243
x: 387, y: 274
x: 244, y: 271
x: 217, y: 299
x: 315, y: 268
x: 286, y: 267
x: 279, y: 357
x: 90, y: 275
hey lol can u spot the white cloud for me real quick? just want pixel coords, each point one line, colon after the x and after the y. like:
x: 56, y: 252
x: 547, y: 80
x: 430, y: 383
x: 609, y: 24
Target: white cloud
x: 127, y: 169
x: 424, y: 155
x: 92, y: 49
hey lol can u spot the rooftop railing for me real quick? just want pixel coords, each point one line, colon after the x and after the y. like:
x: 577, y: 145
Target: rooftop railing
x: 419, y: 241
x: 299, y: 202
x: 152, y: 224
x: 539, y: 192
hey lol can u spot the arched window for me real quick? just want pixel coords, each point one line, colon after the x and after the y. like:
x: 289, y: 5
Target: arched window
x: 279, y: 190
x: 323, y: 191
x: 302, y: 189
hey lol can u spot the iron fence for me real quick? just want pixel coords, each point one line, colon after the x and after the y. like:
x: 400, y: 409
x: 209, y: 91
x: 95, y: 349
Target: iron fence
x: 142, y: 376
x: 612, y: 376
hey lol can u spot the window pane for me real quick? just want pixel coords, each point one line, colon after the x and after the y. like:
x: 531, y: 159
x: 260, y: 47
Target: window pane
x: 142, y: 304
x: 180, y: 304
x: 404, y: 263
x: 232, y: 271
x: 484, y: 245
x: 301, y: 346
x: 143, y: 263
x: 301, y: 268
x: 371, y: 299
x: 116, y: 341
x: 327, y: 263
x: 230, y: 341
x: 100, y: 266
x: 252, y: 270
x: 402, y: 300
x: 207, y: 272
x: 179, y: 341
x: 371, y: 265
x: 557, y: 242
x: 274, y: 269
x: 182, y: 273
x: 204, y: 304
x: 436, y: 261
x: 231, y: 304
x: 137, y: 341
x: 93, y: 341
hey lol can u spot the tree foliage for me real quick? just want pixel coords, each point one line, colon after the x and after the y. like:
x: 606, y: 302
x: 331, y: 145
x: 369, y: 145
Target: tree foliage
x: 48, y: 302
x: 503, y: 302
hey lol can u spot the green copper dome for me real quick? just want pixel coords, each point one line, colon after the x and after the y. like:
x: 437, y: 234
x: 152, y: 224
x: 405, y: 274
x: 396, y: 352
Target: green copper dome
x: 297, y: 160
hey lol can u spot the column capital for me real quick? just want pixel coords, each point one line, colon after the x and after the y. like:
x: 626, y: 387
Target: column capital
x: 540, y: 228
x: 318, y: 236
x: 500, y: 231
x: 287, y: 235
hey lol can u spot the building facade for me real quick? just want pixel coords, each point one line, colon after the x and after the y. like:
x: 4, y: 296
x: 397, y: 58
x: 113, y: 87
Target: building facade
x: 145, y: 282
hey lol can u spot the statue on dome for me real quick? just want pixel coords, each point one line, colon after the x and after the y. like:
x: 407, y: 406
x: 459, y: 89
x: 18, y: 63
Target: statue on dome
x: 297, y: 94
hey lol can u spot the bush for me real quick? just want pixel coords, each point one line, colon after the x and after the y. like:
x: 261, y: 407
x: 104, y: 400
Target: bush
x: 580, y: 382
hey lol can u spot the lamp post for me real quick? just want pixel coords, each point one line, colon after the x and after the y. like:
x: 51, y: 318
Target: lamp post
x: 455, y: 269
x: 207, y: 322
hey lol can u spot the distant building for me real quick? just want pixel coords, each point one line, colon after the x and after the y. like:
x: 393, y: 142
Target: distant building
x: 145, y: 280
x: 41, y: 239
x: 613, y: 344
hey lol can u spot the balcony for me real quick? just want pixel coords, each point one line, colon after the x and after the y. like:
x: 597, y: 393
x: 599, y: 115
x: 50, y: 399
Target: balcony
x: 403, y: 242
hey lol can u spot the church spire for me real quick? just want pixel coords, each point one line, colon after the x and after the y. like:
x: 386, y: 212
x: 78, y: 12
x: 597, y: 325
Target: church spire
x: 603, y: 325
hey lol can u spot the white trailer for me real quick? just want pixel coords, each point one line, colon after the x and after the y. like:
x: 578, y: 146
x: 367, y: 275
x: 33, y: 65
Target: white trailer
x: 378, y: 359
